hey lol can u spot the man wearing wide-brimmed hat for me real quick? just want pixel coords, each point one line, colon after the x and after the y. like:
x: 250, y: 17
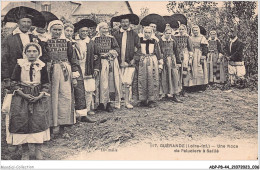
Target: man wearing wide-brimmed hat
x: 13, y: 44
x: 128, y: 41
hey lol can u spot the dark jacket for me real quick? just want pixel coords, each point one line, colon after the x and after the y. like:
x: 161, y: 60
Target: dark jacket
x: 170, y: 47
x: 236, y: 52
x: 132, y: 43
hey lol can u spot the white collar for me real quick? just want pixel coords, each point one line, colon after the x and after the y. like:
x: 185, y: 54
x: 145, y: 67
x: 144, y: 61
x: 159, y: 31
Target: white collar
x: 164, y: 39
x: 122, y: 30
x: 25, y: 63
x: 18, y: 31
x: 210, y: 39
x: 147, y: 39
x: 233, y: 39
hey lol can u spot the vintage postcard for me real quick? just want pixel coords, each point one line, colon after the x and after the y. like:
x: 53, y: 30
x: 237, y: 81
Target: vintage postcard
x: 129, y: 80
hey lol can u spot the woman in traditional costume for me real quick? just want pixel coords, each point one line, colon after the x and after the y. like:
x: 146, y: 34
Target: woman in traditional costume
x: 158, y: 25
x: 63, y: 73
x: 170, y: 75
x: 149, y: 63
x: 68, y: 31
x: 106, y: 68
x: 29, y: 113
x: 199, y: 72
x: 185, y: 51
x: 216, y: 70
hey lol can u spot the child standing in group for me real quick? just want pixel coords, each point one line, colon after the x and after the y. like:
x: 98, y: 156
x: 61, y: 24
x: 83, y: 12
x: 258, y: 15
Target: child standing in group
x: 29, y: 113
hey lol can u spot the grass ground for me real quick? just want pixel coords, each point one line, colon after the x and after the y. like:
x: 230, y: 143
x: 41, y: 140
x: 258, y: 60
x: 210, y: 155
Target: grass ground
x: 211, y: 116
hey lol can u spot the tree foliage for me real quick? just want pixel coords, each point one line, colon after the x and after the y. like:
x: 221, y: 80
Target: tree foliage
x: 232, y: 13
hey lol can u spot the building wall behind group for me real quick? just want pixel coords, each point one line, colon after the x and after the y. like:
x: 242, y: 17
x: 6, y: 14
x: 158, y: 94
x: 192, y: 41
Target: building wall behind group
x: 60, y: 9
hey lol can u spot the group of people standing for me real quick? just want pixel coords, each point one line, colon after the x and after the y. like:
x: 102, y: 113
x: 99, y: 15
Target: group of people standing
x: 56, y: 75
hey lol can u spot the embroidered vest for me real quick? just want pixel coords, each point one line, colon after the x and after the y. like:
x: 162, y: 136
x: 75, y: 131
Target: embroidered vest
x: 103, y: 44
x: 57, y: 49
x: 182, y: 42
x: 213, y: 45
x: 167, y: 48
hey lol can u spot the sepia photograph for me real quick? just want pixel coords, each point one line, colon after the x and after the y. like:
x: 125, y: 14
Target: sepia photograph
x: 129, y: 80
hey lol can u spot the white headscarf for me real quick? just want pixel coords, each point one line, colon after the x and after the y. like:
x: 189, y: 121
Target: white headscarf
x: 30, y: 44
x: 153, y: 34
x: 213, y: 31
x: 99, y: 26
x: 24, y: 61
x: 56, y: 22
x: 185, y: 28
x: 195, y: 26
x: 203, y: 40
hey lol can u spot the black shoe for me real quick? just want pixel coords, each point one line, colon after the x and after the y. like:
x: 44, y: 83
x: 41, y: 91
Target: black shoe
x: 183, y: 94
x: 176, y: 100
x: 109, y: 108
x: 87, y: 119
x: 143, y: 104
x: 100, y: 107
x: 152, y: 104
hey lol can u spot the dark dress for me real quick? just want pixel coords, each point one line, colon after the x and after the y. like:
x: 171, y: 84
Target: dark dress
x: 27, y: 117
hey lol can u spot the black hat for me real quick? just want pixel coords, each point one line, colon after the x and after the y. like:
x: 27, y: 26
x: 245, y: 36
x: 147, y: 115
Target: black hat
x: 172, y: 21
x: 134, y: 19
x: 167, y: 19
x: 84, y: 23
x: 180, y: 18
x: 203, y: 30
x: 155, y: 19
x: 15, y: 14
x: 49, y: 16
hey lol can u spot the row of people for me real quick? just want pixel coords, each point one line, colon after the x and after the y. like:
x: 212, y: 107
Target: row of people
x: 56, y: 78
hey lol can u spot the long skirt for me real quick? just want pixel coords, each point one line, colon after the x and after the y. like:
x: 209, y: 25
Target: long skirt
x: 186, y: 72
x: 170, y: 77
x: 28, y: 122
x: 109, y: 82
x: 79, y: 93
x: 89, y: 84
x: 148, y: 78
x: 216, y: 70
x: 199, y: 71
x: 18, y: 139
x: 62, y: 97
x: 135, y: 84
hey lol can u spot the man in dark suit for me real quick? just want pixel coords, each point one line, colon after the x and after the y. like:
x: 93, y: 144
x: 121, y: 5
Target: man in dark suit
x: 236, y: 66
x: 12, y: 47
x: 128, y: 41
